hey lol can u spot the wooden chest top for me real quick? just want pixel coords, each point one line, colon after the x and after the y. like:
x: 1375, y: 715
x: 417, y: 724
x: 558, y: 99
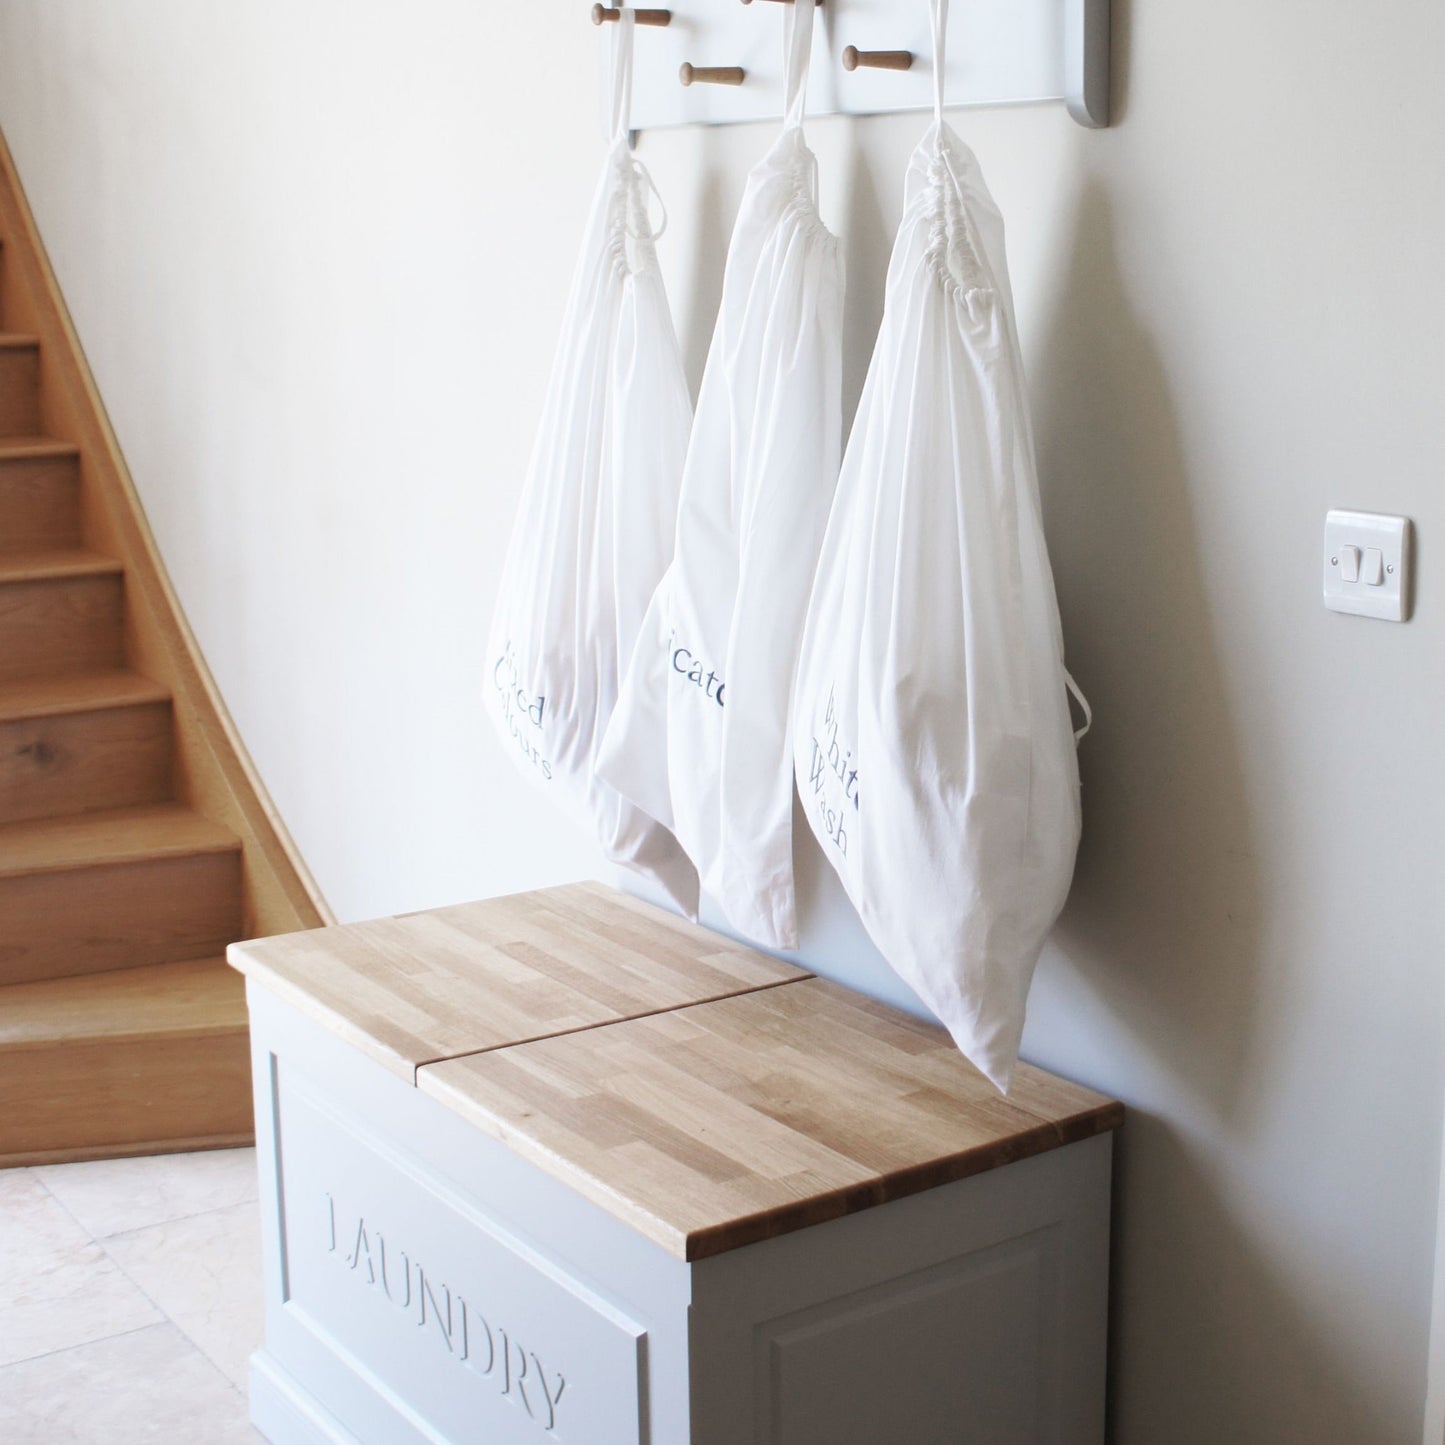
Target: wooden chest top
x: 427, y: 986
x: 733, y: 1121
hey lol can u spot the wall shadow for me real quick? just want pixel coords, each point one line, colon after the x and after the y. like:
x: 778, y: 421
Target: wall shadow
x: 697, y: 313
x: 867, y: 245
x: 1121, y: 58
x: 1166, y: 918
x: 1168, y: 924
x: 1211, y: 1340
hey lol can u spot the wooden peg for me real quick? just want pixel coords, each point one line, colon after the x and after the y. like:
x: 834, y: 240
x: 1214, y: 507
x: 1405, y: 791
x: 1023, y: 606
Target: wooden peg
x: 711, y: 74
x: 602, y: 12
x: 853, y: 59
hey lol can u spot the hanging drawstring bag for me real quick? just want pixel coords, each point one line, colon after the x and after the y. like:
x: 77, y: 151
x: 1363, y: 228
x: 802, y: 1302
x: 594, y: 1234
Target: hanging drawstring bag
x: 595, y: 525
x: 700, y: 735
x: 933, y: 745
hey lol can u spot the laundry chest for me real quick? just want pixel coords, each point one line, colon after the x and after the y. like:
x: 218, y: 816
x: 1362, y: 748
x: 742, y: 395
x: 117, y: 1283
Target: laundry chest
x: 562, y: 1167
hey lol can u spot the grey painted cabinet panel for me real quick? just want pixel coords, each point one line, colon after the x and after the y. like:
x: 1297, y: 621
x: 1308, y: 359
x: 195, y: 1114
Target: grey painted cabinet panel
x: 962, y: 1340
x: 424, y: 1284
x: 971, y: 1312
x: 395, y: 1267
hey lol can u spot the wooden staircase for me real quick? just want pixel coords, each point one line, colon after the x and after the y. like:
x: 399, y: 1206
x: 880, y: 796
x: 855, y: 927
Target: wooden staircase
x: 135, y: 839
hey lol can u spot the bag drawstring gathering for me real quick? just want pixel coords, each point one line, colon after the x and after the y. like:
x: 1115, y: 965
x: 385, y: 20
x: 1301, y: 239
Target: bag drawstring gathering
x: 954, y: 215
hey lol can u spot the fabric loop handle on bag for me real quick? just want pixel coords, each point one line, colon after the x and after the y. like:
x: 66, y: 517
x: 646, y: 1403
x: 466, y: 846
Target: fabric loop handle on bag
x: 938, y: 21
x: 938, y: 18
x: 622, y: 73
x: 621, y: 99
x: 797, y: 49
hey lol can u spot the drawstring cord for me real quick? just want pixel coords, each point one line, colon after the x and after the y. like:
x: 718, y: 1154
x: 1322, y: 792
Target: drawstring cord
x: 641, y: 171
x: 621, y: 112
x: 1084, y: 707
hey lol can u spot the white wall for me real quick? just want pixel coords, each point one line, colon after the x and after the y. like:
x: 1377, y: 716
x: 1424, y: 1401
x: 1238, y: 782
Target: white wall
x: 317, y: 253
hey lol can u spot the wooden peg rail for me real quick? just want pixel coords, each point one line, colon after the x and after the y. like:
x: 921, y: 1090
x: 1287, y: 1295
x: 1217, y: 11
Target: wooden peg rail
x: 853, y: 58
x: 873, y: 57
x: 711, y: 74
x: 601, y: 13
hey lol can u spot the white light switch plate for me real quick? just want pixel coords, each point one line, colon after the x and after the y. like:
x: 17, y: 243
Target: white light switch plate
x: 1381, y: 551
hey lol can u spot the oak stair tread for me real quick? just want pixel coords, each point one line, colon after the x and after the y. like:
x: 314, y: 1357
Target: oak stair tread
x: 144, y: 1061
x: 196, y: 999
x: 37, y: 697
x: 23, y: 448
x: 119, y: 835
x: 43, y: 566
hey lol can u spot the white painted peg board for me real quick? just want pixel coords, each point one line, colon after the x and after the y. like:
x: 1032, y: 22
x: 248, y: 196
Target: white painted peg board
x: 1000, y: 52
x: 781, y: 1214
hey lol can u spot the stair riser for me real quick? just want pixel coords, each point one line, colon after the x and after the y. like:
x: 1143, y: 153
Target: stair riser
x: 85, y: 1100
x: 119, y: 915
x: 19, y: 391
x: 77, y: 762
x: 57, y: 625
x: 39, y: 504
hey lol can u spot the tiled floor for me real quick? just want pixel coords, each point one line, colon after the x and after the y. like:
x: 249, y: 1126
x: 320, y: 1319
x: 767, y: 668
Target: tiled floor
x: 130, y: 1299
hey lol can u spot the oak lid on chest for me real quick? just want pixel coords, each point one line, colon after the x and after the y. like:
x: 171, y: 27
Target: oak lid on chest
x: 729, y: 1122
x: 427, y: 986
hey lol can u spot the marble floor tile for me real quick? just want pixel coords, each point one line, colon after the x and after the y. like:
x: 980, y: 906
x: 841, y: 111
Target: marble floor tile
x: 205, y: 1273
x: 148, y: 1387
x: 111, y: 1196
x: 58, y: 1288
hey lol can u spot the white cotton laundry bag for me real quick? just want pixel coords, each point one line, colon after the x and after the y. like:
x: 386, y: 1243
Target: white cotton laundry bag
x: 933, y: 744
x: 700, y: 735
x: 594, y: 529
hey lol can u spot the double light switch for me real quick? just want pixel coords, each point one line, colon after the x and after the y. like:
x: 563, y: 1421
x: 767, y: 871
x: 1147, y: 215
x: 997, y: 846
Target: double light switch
x: 1369, y: 569
x: 1367, y: 560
